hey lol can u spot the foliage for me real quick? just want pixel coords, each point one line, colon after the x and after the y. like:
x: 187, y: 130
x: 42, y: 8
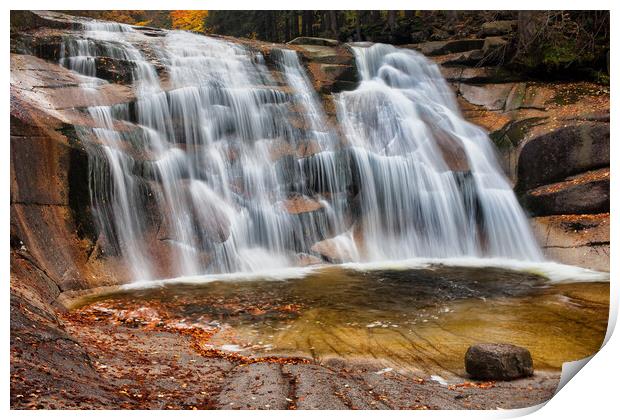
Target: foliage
x: 393, y: 26
x: 189, y: 20
x: 557, y: 42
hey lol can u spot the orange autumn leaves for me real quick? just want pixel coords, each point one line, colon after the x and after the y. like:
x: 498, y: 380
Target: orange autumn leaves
x: 189, y: 20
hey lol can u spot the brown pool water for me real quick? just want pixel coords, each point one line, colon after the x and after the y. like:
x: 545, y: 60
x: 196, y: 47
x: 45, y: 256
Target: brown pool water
x: 422, y: 319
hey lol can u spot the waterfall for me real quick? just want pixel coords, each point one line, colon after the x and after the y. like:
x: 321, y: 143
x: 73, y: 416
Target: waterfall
x: 224, y: 162
x: 431, y: 185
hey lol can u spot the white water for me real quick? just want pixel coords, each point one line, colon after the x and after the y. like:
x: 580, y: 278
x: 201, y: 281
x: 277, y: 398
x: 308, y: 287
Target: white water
x: 212, y: 155
x: 554, y: 272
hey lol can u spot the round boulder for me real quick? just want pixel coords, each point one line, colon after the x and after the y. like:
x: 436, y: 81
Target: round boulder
x: 498, y: 362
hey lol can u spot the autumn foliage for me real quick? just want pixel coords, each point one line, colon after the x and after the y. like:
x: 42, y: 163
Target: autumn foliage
x: 189, y: 20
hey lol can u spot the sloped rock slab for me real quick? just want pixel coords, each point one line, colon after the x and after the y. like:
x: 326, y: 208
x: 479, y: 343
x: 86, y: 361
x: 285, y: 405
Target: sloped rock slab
x: 581, y: 240
x: 581, y: 194
x: 449, y: 47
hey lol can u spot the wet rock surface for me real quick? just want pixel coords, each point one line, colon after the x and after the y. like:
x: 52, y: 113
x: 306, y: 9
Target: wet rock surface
x: 582, y: 239
x: 498, y: 362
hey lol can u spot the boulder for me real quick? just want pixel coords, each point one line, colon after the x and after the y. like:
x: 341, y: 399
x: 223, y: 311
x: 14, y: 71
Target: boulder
x: 502, y: 362
x: 493, y: 97
x: 22, y: 20
x: 114, y: 70
x: 493, y: 44
x: 339, y: 249
x: 150, y: 31
x: 508, y: 138
x: 581, y: 194
x: 419, y: 36
x: 439, y: 35
x: 306, y: 148
x: 306, y: 40
x: 498, y: 27
x: 326, y: 54
x: 452, y: 150
x: 305, y: 260
x: 333, y: 78
x: 516, y: 98
x: 301, y: 204
x: 478, y: 75
x: 51, y: 86
x: 569, y: 150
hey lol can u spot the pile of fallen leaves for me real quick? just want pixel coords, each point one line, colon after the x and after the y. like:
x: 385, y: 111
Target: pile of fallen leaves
x: 156, y: 317
x: 480, y: 385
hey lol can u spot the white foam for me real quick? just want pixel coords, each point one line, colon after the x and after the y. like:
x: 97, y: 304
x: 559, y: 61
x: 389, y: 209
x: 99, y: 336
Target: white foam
x: 270, y: 275
x: 555, y: 272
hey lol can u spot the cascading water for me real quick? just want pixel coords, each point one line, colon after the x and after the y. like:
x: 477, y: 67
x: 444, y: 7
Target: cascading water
x: 221, y: 164
x: 430, y: 182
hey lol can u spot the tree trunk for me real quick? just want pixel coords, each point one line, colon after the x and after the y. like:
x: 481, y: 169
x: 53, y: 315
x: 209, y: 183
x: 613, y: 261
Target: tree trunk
x: 452, y: 15
x: 287, y: 27
x: 311, y: 22
x: 527, y: 24
x: 391, y: 21
x: 274, y: 26
x: 307, y: 23
x: 358, y: 25
x: 294, y: 24
x: 333, y: 23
